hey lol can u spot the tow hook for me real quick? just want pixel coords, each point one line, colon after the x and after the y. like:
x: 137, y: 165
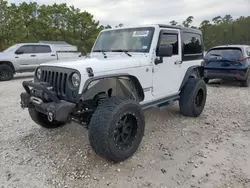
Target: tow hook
x: 50, y: 116
x: 23, y: 105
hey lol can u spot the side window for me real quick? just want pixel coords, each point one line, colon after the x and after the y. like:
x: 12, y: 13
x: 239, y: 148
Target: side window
x: 42, y: 49
x: 27, y: 49
x: 192, y: 44
x: 170, y: 39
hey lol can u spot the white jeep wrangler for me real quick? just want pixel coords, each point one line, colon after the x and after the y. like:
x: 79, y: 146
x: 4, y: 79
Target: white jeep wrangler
x: 129, y: 70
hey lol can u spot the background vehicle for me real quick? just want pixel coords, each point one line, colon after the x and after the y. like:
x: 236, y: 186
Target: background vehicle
x: 129, y: 70
x: 26, y: 57
x: 228, y: 62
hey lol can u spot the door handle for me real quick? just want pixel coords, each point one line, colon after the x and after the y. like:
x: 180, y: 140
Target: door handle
x: 178, y: 62
x: 53, y: 55
x: 32, y: 55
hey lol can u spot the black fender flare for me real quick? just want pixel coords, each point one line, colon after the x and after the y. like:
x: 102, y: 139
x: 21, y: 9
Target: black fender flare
x: 135, y: 81
x: 196, y: 69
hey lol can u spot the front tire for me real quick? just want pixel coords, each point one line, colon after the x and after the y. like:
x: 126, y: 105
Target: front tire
x: 6, y: 72
x: 193, y: 97
x: 42, y: 120
x: 116, y: 129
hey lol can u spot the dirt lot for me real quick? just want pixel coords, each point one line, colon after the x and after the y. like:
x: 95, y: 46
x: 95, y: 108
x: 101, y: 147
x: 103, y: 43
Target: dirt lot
x: 210, y: 151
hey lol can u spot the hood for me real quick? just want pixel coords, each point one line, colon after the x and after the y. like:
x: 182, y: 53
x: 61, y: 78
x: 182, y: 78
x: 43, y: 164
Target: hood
x: 97, y: 64
x: 4, y: 54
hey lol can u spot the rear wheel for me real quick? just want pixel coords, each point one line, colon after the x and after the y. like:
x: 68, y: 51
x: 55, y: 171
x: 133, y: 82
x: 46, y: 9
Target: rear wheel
x: 6, y: 72
x: 42, y: 120
x: 116, y: 129
x: 245, y: 83
x: 193, y: 97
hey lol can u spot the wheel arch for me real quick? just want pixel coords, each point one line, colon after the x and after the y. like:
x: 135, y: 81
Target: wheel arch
x: 131, y: 78
x: 8, y: 63
x: 192, y: 72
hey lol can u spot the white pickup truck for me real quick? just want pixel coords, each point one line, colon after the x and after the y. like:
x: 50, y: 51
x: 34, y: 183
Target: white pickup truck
x: 25, y: 57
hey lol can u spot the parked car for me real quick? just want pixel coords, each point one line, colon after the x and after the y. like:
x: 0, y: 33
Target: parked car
x: 26, y: 57
x: 130, y: 69
x: 228, y: 62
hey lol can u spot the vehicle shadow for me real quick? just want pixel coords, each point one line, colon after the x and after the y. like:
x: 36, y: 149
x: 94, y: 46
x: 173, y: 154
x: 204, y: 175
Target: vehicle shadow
x: 224, y: 83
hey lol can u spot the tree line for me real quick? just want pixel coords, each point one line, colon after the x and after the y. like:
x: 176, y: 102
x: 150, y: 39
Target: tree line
x: 222, y: 30
x: 30, y: 22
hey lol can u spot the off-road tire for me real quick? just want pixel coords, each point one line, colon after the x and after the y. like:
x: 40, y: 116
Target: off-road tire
x: 206, y: 80
x: 245, y: 83
x: 6, y: 72
x: 42, y: 120
x: 104, y: 122
x: 188, y: 97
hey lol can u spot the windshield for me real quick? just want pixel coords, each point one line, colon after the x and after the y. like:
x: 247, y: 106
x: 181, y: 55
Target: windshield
x: 130, y: 40
x: 12, y: 48
x: 225, y: 53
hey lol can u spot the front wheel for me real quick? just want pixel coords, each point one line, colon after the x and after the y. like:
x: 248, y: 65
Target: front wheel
x: 42, y: 120
x: 6, y: 72
x: 116, y: 129
x: 193, y: 97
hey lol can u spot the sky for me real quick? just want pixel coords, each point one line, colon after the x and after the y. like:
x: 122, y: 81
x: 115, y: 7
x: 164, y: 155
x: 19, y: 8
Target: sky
x: 134, y: 12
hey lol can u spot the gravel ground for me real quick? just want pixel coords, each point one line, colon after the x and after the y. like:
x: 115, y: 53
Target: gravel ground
x: 209, y: 151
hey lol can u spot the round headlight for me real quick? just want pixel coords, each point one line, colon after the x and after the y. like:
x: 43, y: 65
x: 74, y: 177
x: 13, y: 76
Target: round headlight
x: 39, y: 73
x: 75, y: 80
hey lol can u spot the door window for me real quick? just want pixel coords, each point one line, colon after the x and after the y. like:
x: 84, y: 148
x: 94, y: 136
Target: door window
x: 170, y: 39
x: 27, y: 49
x: 42, y: 49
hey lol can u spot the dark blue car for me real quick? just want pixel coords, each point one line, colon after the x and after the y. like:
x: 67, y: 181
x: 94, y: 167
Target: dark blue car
x: 228, y: 62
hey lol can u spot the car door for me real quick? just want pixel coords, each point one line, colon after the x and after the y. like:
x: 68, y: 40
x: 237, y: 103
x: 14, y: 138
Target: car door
x: 44, y: 54
x: 25, y: 57
x: 167, y: 75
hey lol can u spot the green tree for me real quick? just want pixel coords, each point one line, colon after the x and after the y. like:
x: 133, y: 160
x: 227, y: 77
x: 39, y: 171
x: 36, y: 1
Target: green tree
x: 30, y: 22
x: 188, y: 21
x: 173, y: 22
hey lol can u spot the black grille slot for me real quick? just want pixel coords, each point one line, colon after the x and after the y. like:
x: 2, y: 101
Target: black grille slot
x: 57, y: 80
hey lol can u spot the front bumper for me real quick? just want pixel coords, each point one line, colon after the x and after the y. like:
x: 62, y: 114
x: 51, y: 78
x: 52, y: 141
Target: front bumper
x: 45, y: 101
x: 225, y: 74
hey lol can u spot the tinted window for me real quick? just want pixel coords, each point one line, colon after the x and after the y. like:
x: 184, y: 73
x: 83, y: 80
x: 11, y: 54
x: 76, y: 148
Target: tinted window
x: 27, y: 49
x: 42, y: 49
x: 225, y: 52
x: 170, y: 39
x: 192, y: 43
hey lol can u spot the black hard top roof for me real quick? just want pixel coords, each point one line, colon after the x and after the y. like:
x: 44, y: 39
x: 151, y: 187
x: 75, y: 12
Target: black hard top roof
x: 186, y: 29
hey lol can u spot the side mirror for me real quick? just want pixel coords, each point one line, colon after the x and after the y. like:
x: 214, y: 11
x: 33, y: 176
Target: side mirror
x: 18, y: 52
x: 165, y: 51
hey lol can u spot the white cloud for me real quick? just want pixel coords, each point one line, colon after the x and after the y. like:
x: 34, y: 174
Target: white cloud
x: 134, y: 12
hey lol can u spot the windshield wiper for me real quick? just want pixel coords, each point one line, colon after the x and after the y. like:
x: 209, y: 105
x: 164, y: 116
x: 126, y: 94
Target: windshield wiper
x: 125, y: 51
x: 103, y: 52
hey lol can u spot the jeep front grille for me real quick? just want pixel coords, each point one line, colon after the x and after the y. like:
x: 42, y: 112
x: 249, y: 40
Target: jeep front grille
x: 57, y: 80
